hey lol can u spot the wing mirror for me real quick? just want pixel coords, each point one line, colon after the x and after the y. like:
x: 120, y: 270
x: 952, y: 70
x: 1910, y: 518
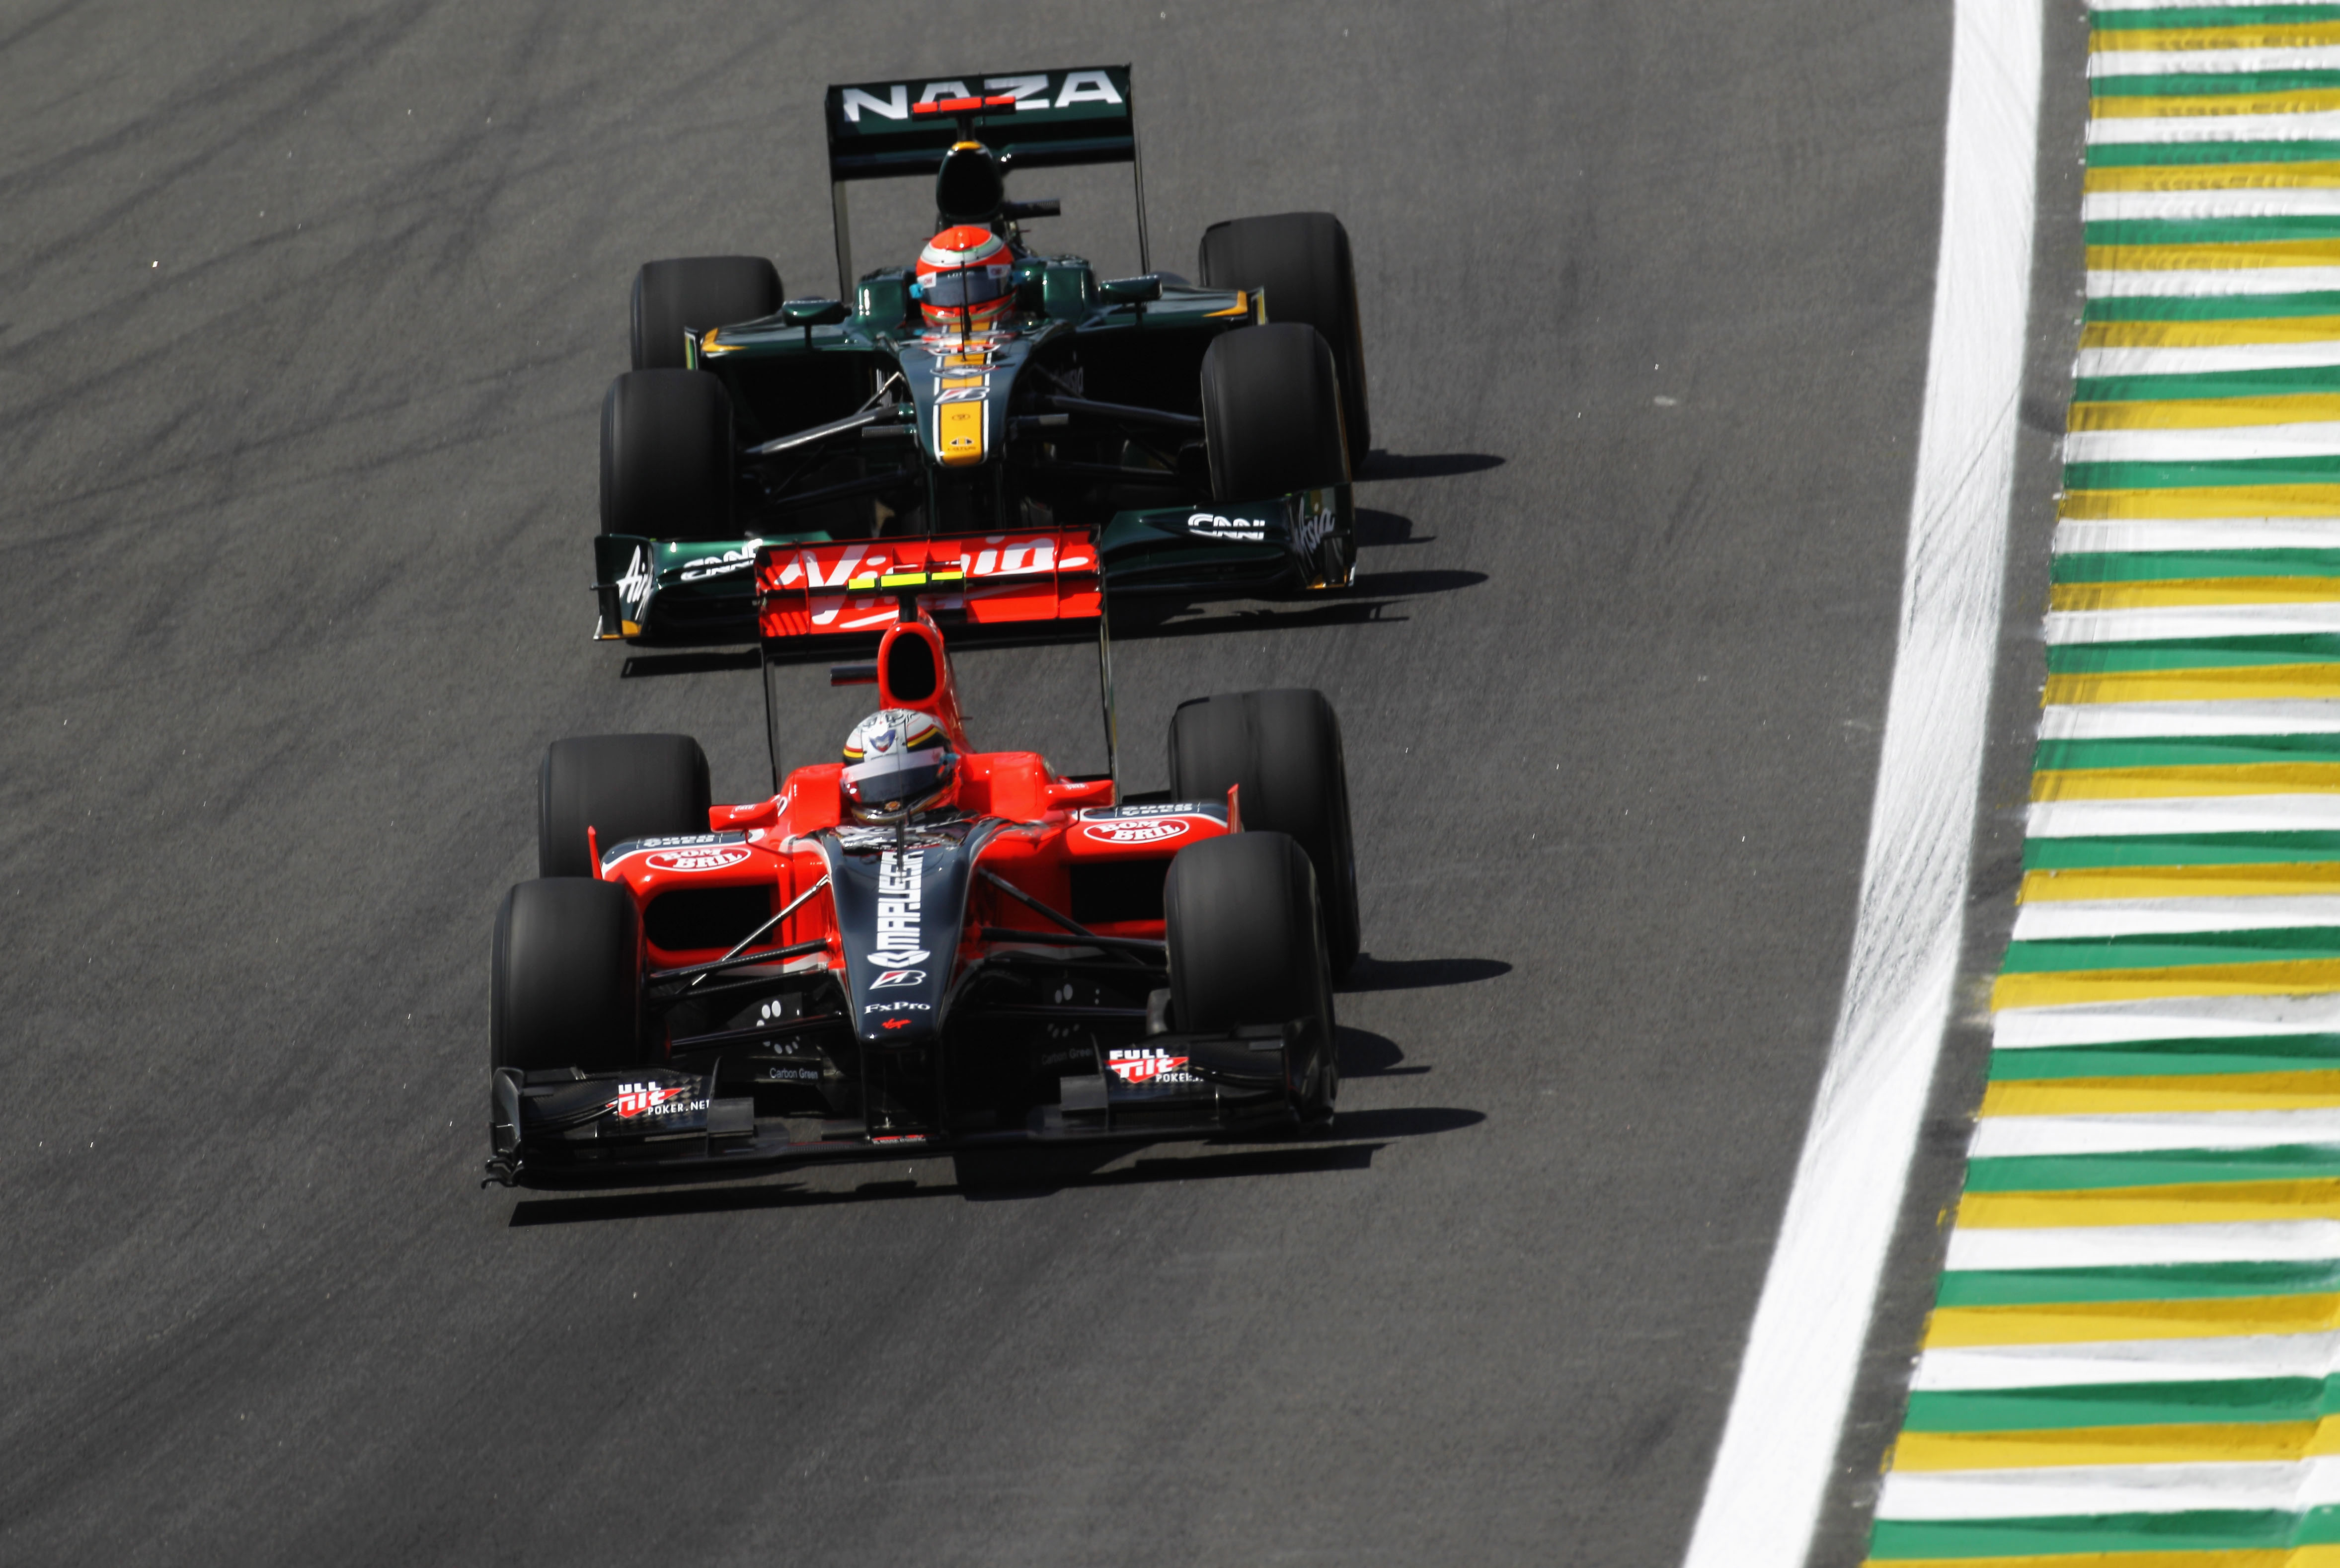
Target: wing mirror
x: 1132, y: 291
x: 813, y: 313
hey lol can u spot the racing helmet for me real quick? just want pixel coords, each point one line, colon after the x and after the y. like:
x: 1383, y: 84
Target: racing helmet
x: 896, y: 761
x: 966, y: 277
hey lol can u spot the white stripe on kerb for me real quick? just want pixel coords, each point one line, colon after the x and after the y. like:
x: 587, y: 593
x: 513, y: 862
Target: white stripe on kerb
x: 2127, y: 1245
x: 1778, y: 1445
x: 2195, y: 284
x: 2180, y: 721
x: 2066, y: 1490
x: 2214, y: 443
x: 2316, y: 353
x: 2210, y: 62
x: 2079, y: 628
x: 2322, y: 125
x: 2050, y: 920
x: 2013, y: 1137
x: 2288, y: 202
x: 2089, y: 538
x: 2163, y: 1019
x: 2223, y: 1358
x: 2207, y: 814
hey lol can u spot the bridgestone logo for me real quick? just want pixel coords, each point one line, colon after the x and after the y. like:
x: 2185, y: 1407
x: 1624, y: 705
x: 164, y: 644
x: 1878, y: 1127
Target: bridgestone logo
x: 899, y: 894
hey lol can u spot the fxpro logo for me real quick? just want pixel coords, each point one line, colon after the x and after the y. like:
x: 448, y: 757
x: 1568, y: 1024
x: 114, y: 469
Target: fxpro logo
x: 900, y: 893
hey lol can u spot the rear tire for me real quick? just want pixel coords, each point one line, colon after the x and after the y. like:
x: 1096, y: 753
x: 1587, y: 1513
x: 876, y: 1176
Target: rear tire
x: 623, y: 786
x: 1246, y: 947
x: 1271, y: 413
x: 666, y: 455
x: 566, y: 985
x: 694, y: 293
x: 1302, y: 260
x: 1284, y: 749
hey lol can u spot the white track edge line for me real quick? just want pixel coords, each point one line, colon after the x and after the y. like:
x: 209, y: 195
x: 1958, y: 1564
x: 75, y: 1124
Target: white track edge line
x: 1777, y: 1451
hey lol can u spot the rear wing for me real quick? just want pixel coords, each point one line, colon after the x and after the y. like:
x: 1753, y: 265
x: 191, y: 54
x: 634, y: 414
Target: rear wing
x: 1033, y: 119
x: 1019, y: 579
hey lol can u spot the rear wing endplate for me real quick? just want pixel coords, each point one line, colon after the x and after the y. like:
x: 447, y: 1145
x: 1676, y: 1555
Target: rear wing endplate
x: 1034, y: 119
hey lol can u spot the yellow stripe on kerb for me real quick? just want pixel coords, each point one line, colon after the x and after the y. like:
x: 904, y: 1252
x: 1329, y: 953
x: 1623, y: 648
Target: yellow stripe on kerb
x: 2186, y: 1442
x: 2183, y: 1203
x: 2302, y: 176
x: 2217, y: 778
x: 2210, y: 334
x: 2279, y: 978
x: 2239, y: 256
x: 2299, y: 1091
x: 2204, y: 413
x: 2183, y: 504
x: 2183, y: 592
x: 2274, y: 680
x: 2247, y: 35
x: 2078, y: 1323
x: 2180, y: 882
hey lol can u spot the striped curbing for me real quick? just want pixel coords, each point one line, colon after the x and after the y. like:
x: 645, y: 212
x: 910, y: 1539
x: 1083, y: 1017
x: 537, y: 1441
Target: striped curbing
x: 2134, y: 1359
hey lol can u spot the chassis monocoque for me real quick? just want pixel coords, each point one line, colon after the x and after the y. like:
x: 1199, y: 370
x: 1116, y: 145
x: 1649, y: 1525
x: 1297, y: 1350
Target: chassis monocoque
x: 1203, y: 432
x: 691, y: 990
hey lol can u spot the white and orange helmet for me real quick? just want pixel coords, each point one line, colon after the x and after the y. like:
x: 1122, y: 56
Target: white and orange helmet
x: 896, y: 761
x: 966, y: 277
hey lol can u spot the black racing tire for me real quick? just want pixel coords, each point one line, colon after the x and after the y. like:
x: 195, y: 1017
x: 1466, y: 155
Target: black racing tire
x: 623, y: 786
x: 666, y: 457
x: 694, y: 293
x: 1271, y: 413
x: 1302, y: 260
x: 1284, y: 749
x: 1247, y: 946
x: 565, y: 990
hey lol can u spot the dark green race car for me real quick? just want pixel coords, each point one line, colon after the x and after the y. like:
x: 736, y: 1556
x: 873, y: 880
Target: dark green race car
x: 1205, y: 432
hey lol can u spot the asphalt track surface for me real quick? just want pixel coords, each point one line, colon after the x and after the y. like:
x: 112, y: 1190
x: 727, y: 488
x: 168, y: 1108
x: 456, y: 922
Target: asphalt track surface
x: 308, y: 309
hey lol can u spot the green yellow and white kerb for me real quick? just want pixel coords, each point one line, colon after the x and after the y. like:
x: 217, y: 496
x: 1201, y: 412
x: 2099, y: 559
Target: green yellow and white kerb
x: 2131, y: 1362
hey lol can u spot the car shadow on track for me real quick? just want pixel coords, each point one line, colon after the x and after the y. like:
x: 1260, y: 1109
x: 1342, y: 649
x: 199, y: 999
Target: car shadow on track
x: 1367, y: 1055
x: 1360, y: 1135
x: 1383, y: 464
x: 1372, y: 973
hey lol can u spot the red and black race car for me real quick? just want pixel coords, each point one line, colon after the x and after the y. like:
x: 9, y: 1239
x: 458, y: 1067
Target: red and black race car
x: 1000, y: 956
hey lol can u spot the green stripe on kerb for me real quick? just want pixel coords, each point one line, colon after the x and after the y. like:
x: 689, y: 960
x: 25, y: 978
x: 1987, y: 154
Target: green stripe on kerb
x: 2136, y: 1282
x: 2215, y: 308
x: 2159, y: 154
x: 2254, y: 471
x: 2210, y: 750
x: 2178, y: 850
x: 2146, y: 21
x: 2120, y: 1404
x: 2163, y: 1167
x: 2203, y: 84
x: 2208, y: 1531
x: 2064, y: 955
x: 2168, y: 1058
x: 2198, y: 653
x: 2213, y: 230
x: 2192, y: 565
x: 2287, y: 381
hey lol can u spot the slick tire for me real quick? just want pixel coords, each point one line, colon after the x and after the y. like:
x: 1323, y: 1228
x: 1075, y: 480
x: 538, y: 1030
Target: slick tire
x: 1271, y: 413
x: 566, y: 986
x: 1302, y: 260
x: 692, y: 294
x: 1247, y: 946
x: 666, y: 455
x: 623, y: 786
x: 1284, y: 749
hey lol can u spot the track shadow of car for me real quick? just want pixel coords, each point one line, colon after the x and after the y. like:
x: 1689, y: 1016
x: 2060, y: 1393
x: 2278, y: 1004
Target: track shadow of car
x: 1372, y: 973
x: 1381, y: 465
x: 1367, y: 1055
x: 1414, y: 584
x: 1380, y: 530
x: 641, y: 665
x: 1357, y: 1136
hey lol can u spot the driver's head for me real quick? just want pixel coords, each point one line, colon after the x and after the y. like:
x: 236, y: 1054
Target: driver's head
x: 966, y: 277
x: 896, y: 762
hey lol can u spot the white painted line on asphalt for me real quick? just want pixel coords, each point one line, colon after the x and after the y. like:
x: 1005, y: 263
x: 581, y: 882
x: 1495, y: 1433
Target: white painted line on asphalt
x: 2211, y: 443
x: 2313, y: 354
x: 2078, y: 628
x: 2126, y: 1246
x: 2163, y: 1019
x: 2050, y: 920
x: 2088, y: 537
x: 2202, y: 814
x: 2099, y: 206
x: 2152, y: 721
x: 2011, y: 1137
x: 2203, y: 1360
x: 1778, y: 1445
x: 2061, y: 1491
x: 2188, y: 284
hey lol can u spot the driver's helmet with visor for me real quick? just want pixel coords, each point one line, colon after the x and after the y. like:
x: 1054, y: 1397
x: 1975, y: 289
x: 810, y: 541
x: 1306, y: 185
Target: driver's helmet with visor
x: 966, y: 278
x: 897, y: 761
